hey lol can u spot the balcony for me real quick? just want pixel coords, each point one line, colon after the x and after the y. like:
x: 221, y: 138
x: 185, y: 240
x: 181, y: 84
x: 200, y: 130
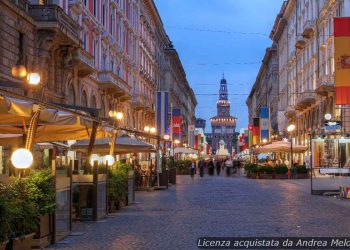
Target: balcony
x: 300, y: 43
x: 110, y: 81
x: 309, y: 29
x: 305, y: 99
x: 51, y: 18
x: 325, y: 84
x: 138, y: 101
x: 290, y: 111
x: 84, y: 62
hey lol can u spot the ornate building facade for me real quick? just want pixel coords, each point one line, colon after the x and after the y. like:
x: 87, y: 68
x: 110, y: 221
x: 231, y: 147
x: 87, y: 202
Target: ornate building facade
x: 105, y: 55
x: 223, y: 125
x: 303, y: 32
x: 264, y: 92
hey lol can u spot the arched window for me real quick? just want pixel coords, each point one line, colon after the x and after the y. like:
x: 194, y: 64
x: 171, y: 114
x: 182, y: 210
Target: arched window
x: 71, y: 94
x: 84, y: 102
x: 103, y: 109
x: 93, y: 103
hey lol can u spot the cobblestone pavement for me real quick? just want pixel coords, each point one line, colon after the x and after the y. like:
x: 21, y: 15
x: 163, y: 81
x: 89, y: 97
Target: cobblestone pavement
x: 215, y: 206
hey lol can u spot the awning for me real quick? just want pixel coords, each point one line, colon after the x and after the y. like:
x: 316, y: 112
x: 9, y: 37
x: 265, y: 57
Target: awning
x: 125, y: 144
x: 280, y: 146
x: 54, y: 124
x: 184, y: 151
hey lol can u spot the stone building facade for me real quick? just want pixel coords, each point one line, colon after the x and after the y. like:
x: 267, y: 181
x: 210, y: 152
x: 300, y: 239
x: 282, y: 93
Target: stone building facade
x: 264, y: 92
x: 107, y: 55
x: 303, y: 32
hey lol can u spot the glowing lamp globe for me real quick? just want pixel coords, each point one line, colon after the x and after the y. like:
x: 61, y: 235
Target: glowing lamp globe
x: 119, y: 115
x: 166, y: 137
x: 33, y: 78
x: 22, y: 158
x: 93, y: 158
x: 152, y: 130
x: 19, y: 71
x: 109, y: 159
x: 146, y: 129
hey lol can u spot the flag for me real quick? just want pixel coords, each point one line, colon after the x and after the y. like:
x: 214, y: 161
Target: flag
x: 177, y: 121
x: 342, y: 60
x: 162, y: 113
x: 264, y: 123
x: 256, y: 131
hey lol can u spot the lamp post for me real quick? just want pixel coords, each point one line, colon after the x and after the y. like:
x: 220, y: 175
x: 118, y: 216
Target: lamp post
x: 176, y: 142
x: 290, y: 130
x: 22, y: 158
x: 118, y: 116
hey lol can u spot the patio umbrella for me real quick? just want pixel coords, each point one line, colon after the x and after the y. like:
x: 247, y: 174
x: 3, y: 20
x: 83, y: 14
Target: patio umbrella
x: 281, y: 146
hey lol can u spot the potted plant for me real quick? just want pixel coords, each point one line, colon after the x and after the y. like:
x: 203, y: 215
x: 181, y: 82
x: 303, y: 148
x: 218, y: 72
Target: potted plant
x: 266, y: 172
x: 117, y: 185
x: 301, y: 172
x: 248, y: 169
x: 281, y: 171
x: 253, y: 172
x: 21, y: 214
x: 42, y: 192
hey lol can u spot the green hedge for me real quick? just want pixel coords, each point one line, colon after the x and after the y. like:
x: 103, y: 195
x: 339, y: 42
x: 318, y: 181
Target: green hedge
x: 183, y: 166
x: 23, y: 201
x: 117, y: 187
x: 301, y: 169
x: 281, y: 169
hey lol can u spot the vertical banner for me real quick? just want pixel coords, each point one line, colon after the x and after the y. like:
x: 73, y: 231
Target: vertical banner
x: 264, y: 124
x: 177, y: 121
x: 250, y: 135
x: 256, y: 131
x: 342, y: 60
x: 162, y: 113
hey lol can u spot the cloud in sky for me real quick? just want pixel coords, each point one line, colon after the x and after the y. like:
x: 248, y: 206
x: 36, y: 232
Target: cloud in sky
x: 206, y: 55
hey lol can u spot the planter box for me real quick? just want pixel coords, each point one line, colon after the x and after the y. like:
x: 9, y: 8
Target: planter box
x: 172, y: 176
x: 252, y: 176
x: 42, y: 238
x: 281, y: 176
x: 3, y: 245
x: 23, y: 243
x: 302, y: 176
x: 163, y: 178
x: 266, y: 176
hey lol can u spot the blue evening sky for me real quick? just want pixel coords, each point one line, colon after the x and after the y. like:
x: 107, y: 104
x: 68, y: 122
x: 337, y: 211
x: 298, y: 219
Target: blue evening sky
x: 214, y: 37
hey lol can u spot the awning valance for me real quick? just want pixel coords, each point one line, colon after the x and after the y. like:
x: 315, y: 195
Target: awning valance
x: 124, y: 144
x: 54, y: 124
x: 280, y: 146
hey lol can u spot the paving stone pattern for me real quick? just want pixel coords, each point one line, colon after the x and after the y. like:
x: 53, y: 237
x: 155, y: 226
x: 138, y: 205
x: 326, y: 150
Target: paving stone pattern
x: 214, y: 206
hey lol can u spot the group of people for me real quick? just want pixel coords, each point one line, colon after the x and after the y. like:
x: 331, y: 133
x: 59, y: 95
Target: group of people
x: 230, y: 166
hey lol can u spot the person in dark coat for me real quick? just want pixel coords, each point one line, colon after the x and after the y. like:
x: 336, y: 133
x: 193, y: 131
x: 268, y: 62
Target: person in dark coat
x: 201, y: 165
x: 218, y: 167
x: 211, y: 167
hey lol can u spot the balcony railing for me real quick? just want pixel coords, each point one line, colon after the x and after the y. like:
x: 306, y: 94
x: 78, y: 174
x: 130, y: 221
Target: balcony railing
x: 52, y: 17
x: 305, y: 99
x: 300, y: 42
x: 109, y: 80
x: 22, y: 4
x: 325, y: 84
x: 138, y: 101
x: 85, y: 62
x: 309, y: 28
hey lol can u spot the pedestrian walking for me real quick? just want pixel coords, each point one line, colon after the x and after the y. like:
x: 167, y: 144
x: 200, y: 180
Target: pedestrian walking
x: 294, y: 170
x: 218, y: 167
x: 229, y: 166
x: 211, y: 167
x: 201, y: 165
x: 193, y: 168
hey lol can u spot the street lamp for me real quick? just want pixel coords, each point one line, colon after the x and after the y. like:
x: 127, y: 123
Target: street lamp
x: 176, y: 142
x: 146, y: 129
x: 118, y: 116
x: 290, y: 130
x: 22, y: 158
x: 264, y: 141
x: 152, y: 130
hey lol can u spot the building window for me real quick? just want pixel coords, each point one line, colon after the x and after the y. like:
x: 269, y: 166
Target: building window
x: 71, y: 94
x: 95, y: 8
x: 93, y: 102
x: 85, y: 41
x: 84, y: 102
x: 103, y: 15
